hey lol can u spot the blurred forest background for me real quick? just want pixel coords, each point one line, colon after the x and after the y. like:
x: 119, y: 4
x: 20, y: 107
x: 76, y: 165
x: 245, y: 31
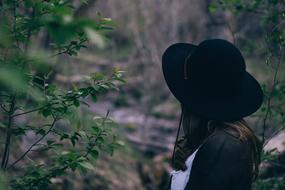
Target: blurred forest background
x: 83, y: 101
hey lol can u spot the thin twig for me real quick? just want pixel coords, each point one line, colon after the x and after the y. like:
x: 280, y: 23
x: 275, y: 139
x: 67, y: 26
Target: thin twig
x: 11, y: 111
x: 255, y: 11
x: 37, y: 109
x: 30, y: 111
x: 231, y: 30
x: 276, y: 164
x: 34, y: 144
x: 98, y: 135
x: 277, y: 26
x: 8, y: 135
x: 275, y: 82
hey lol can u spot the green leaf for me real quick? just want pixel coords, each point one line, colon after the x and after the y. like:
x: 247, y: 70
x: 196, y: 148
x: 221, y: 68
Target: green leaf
x: 76, y: 102
x: 94, y: 97
x: 82, y: 133
x: 51, y: 88
x: 41, y: 132
x: 46, y: 112
x: 95, y: 129
x: 61, y: 109
x: 110, y: 150
x: 213, y: 8
x: 105, y: 86
x: 82, y: 170
x: 2, y: 125
x: 100, y: 140
x: 73, y: 141
x: 64, y: 136
x: 50, y: 142
x: 97, y: 76
x: 83, y: 92
x: 87, y: 165
x: 19, y: 131
x: 94, y: 153
x: 95, y: 37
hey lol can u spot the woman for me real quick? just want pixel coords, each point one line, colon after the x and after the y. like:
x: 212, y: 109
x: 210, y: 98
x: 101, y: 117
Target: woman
x: 218, y: 150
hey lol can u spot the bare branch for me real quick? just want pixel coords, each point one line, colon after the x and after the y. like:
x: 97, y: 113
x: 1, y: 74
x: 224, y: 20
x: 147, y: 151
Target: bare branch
x: 34, y: 144
x: 6, y: 153
x: 275, y: 82
x: 30, y: 111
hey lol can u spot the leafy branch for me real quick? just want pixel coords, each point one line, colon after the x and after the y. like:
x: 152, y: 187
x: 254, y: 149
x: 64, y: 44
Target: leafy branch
x: 25, y: 80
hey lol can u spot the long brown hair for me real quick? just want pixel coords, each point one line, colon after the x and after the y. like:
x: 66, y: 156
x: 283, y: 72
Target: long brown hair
x: 246, y: 133
x: 195, y: 136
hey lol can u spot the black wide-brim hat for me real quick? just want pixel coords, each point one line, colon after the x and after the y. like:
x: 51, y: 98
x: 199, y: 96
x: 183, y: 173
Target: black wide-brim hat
x: 211, y: 80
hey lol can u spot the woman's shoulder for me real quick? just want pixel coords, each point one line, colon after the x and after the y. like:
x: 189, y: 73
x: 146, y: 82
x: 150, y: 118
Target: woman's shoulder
x: 226, y: 133
x: 224, y: 141
x: 217, y: 161
x: 220, y: 148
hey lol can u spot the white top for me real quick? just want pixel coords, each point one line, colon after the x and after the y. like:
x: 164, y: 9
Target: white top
x: 180, y: 178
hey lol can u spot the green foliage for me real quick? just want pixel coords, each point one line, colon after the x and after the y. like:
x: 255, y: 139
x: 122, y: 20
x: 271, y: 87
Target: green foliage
x: 81, y: 154
x: 27, y: 69
x: 271, y: 183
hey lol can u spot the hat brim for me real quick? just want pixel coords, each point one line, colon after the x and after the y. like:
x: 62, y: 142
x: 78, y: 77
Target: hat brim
x: 247, y: 102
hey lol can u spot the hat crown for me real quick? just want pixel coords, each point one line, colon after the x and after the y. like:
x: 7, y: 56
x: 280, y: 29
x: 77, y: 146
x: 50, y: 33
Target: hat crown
x: 216, y: 68
x: 197, y: 75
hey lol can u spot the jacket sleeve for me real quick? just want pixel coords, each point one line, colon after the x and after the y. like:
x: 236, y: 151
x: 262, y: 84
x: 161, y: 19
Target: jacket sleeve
x: 218, y: 164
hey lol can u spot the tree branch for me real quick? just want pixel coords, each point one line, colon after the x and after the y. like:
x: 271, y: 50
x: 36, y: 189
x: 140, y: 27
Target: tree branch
x: 6, y: 154
x: 275, y: 82
x: 30, y: 111
x: 99, y: 134
x: 36, y: 109
x: 34, y: 144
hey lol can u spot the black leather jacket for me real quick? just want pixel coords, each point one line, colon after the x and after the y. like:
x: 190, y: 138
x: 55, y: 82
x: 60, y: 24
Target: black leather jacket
x: 223, y: 162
